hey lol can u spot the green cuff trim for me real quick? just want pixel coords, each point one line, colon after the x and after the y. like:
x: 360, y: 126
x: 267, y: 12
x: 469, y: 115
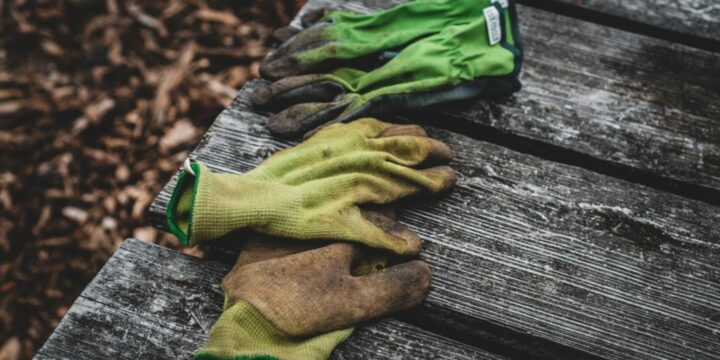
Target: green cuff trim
x: 171, y: 212
x: 511, y: 41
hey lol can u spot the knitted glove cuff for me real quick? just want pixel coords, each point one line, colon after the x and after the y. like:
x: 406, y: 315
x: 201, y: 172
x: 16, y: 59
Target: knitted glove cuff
x: 242, y: 333
x: 179, y: 213
x: 209, y: 205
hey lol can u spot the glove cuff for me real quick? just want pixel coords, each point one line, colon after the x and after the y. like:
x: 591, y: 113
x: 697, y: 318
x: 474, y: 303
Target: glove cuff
x: 180, y: 208
x: 208, y: 205
x: 242, y: 333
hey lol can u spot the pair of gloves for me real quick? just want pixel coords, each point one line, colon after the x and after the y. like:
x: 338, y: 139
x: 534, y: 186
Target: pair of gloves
x: 290, y: 299
x: 345, y: 66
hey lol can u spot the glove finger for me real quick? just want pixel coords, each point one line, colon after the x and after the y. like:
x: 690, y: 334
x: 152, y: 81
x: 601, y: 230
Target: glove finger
x: 367, y: 127
x: 439, y: 178
x: 394, y: 228
x: 413, y: 150
x: 434, y: 180
x: 399, y: 287
x: 286, y: 60
x: 353, y: 189
x: 360, y: 109
x: 320, y: 127
x: 298, y: 119
x: 403, y: 130
x: 342, y: 118
x: 359, y: 229
x: 361, y: 168
x: 284, y: 34
x: 295, y: 90
x: 328, y: 144
x: 312, y: 16
x: 387, y: 211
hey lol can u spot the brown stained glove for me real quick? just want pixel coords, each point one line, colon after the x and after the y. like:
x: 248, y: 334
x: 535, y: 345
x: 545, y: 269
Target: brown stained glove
x: 280, y: 291
x: 306, y: 289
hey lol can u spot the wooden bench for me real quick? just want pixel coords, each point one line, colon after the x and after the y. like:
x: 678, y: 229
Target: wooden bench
x: 150, y: 302
x: 692, y: 22
x: 585, y: 222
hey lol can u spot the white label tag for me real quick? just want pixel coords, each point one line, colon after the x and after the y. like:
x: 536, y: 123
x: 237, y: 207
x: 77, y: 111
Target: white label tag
x: 503, y: 3
x: 492, y: 17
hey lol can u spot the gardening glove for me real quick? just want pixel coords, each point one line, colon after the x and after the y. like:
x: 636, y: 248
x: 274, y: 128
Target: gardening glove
x: 313, y: 191
x: 259, y: 247
x: 438, y: 51
x: 285, y: 302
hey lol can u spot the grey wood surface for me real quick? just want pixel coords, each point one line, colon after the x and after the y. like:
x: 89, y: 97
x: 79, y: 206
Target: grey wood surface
x: 150, y: 302
x: 692, y: 17
x: 578, y: 259
x: 618, y: 97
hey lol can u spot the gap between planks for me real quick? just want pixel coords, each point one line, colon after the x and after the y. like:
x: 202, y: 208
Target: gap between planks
x: 695, y: 24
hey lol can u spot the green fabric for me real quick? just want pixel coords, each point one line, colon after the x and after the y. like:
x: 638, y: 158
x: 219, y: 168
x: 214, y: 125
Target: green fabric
x: 178, y: 216
x: 241, y: 333
x: 311, y: 191
x: 350, y: 35
x: 440, y: 50
x: 458, y: 53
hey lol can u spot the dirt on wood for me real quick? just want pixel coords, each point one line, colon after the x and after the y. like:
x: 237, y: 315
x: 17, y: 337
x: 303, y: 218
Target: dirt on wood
x: 100, y: 101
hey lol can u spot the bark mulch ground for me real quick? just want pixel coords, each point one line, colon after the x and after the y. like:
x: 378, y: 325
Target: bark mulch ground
x: 100, y: 101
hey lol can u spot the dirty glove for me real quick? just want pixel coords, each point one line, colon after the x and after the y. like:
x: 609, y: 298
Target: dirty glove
x: 313, y: 191
x: 285, y: 302
x: 439, y: 51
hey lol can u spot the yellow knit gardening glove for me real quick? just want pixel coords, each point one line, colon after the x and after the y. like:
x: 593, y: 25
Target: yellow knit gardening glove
x: 313, y: 190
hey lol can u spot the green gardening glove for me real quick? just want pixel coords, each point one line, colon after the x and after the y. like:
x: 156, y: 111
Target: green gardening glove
x: 314, y: 190
x: 438, y: 51
x: 290, y: 300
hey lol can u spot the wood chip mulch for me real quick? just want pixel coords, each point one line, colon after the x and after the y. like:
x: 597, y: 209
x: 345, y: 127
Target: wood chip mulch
x: 100, y: 101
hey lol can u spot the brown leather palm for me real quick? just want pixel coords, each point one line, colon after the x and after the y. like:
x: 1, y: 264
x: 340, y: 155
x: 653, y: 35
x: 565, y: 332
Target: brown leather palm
x: 306, y: 291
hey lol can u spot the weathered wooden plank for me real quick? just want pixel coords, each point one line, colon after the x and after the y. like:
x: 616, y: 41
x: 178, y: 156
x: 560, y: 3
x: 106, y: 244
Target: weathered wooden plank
x: 696, y: 18
x: 583, y: 260
x: 149, y: 302
x: 618, y: 97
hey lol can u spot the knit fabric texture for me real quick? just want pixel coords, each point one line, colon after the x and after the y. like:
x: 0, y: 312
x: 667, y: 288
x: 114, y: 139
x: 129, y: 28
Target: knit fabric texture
x: 241, y: 333
x: 311, y: 191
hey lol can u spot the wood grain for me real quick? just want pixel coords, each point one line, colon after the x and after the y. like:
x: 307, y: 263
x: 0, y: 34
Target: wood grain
x: 149, y: 302
x: 697, y: 18
x: 563, y: 254
x: 618, y: 97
